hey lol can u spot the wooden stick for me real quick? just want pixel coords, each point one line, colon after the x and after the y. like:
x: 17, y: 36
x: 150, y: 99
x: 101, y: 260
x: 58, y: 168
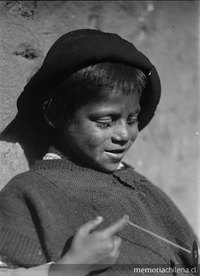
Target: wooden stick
x: 159, y: 237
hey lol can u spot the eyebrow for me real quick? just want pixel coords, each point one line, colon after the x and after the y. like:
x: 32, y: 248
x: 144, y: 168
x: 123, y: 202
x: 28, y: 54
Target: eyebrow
x: 109, y: 113
x: 137, y: 111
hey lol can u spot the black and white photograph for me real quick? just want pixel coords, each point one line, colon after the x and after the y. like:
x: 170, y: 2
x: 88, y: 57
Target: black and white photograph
x: 99, y: 138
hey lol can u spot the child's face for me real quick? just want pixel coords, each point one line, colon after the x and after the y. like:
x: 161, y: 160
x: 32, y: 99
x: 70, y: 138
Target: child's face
x: 101, y: 132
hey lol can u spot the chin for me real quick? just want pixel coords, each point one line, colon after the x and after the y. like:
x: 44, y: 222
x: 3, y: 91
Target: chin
x: 110, y: 168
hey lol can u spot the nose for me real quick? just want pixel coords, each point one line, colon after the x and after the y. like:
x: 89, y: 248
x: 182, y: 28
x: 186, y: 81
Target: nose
x: 121, y: 133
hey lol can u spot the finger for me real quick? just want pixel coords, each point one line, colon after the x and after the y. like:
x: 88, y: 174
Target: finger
x: 114, y: 228
x: 116, y: 245
x: 90, y: 225
x: 115, y: 252
x: 117, y: 242
x: 114, y: 257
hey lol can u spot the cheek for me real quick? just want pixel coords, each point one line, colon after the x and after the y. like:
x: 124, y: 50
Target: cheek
x: 133, y: 134
x: 94, y: 137
x: 97, y: 137
x: 87, y: 135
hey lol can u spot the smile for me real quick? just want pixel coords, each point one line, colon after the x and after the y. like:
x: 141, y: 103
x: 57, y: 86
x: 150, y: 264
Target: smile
x: 117, y: 154
x: 116, y: 151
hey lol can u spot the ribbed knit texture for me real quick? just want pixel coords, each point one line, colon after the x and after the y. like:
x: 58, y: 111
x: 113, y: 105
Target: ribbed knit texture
x: 41, y: 210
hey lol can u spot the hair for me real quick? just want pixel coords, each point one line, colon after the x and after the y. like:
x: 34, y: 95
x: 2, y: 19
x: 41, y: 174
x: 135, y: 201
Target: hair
x: 94, y: 82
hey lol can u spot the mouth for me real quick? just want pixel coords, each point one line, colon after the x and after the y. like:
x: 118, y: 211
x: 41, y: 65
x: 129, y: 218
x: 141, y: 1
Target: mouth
x: 117, y: 153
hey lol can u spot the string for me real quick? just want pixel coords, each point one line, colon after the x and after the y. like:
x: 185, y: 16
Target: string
x: 159, y: 237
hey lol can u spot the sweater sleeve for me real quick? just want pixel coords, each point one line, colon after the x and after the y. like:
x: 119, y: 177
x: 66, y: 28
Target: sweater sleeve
x: 172, y: 209
x: 176, y: 226
x: 168, y: 209
x: 20, y: 242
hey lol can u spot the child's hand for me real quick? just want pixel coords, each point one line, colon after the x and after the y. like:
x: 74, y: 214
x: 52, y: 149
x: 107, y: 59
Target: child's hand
x: 95, y: 250
x: 98, y: 247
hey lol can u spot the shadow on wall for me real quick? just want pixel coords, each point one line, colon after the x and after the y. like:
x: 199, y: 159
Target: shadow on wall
x: 34, y: 142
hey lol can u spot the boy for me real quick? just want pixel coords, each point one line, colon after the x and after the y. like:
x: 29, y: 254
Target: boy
x: 92, y: 95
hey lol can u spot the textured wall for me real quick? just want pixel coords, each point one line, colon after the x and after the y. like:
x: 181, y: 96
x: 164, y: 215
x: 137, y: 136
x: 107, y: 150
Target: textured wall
x: 167, y: 31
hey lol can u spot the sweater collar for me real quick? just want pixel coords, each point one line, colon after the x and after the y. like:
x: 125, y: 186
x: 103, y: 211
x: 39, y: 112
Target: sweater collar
x: 57, y: 160
x: 57, y: 155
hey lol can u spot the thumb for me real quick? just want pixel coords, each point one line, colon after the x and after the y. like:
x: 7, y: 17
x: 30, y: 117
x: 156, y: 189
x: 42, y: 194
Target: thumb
x: 89, y: 226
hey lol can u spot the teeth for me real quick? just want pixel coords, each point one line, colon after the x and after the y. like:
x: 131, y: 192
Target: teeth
x: 116, y: 151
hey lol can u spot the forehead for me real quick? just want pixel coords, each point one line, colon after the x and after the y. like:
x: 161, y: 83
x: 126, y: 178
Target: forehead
x: 115, y: 101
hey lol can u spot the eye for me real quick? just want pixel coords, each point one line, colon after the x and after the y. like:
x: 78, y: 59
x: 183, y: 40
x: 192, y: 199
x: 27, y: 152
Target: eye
x: 105, y: 122
x: 132, y: 120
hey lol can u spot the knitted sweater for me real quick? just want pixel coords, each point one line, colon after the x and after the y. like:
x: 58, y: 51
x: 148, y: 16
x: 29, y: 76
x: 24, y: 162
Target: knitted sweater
x: 40, y: 211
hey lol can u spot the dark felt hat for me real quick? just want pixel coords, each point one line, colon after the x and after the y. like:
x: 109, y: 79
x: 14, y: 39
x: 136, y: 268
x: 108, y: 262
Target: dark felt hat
x: 78, y: 49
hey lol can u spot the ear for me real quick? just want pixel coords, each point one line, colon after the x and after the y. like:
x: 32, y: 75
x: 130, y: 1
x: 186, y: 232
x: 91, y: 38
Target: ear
x: 52, y: 114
